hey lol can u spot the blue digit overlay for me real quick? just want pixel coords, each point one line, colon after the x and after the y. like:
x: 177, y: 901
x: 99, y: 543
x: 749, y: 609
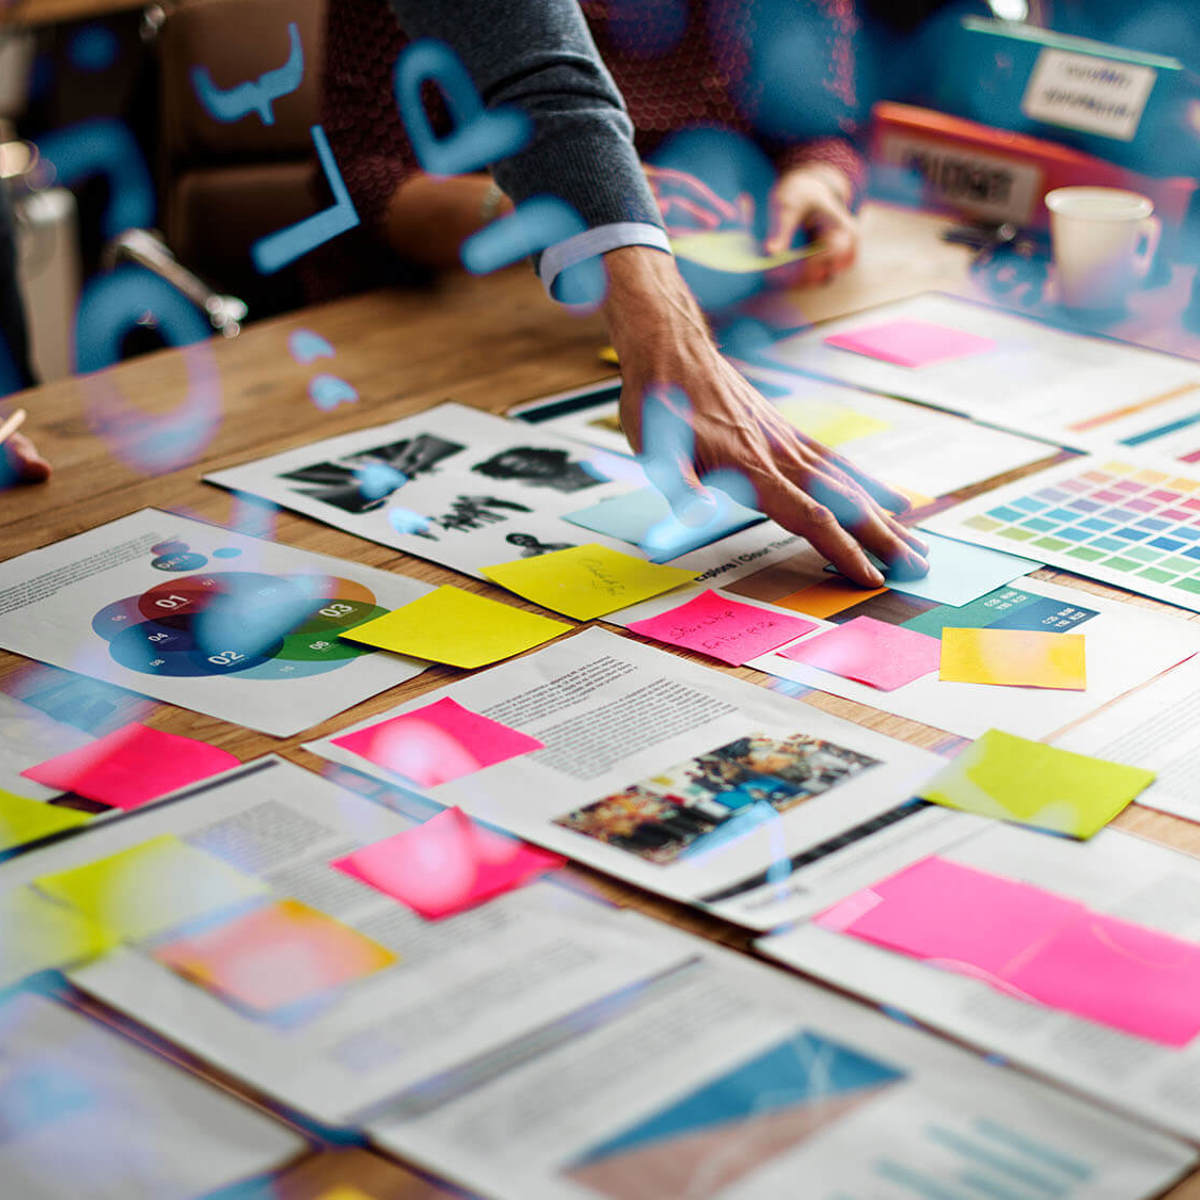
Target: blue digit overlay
x: 479, y: 137
x: 286, y: 245
x: 105, y: 147
x: 256, y: 95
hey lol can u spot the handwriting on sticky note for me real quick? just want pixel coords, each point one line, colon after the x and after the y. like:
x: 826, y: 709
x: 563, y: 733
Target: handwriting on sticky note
x: 723, y: 628
x: 151, y: 887
x: 586, y: 581
x: 447, y: 865
x: 910, y: 343
x: 1014, y: 779
x: 132, y: 766
x: 1023, y: 940
x: 868, y: 651
x: 1014, y: 658
x: 437, y: 743
x: 452, y: 626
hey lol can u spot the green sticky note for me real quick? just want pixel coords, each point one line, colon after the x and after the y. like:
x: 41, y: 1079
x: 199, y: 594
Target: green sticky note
x: 40, y: 935
x: 23, y: 820
x: 151, y: 887
x: 1014, y: 779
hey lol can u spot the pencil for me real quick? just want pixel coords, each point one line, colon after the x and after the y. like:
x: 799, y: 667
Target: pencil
x: 12, y: 425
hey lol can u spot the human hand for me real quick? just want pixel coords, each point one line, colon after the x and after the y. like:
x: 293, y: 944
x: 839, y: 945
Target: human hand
x: 21, y: 461
x: 814, y: 197
x: 669, y: 362
x: 689, y: 205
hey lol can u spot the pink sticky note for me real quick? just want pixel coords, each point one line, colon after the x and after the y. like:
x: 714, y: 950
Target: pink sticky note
x: 911, y: 343
x: 872, y: 652
x: 956, y: 917
x: 132, y: 766
x: 438, y: 743
x: 448, y: 864
x: 722, y: 628
x: 1122, y: 975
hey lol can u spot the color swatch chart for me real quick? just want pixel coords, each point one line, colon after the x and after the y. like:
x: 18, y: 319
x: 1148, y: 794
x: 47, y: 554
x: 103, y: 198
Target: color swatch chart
x: 1127, y: 523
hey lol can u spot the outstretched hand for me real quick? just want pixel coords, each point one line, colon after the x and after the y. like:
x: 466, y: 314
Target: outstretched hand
x: 21, y: 462
x: 668, y: 359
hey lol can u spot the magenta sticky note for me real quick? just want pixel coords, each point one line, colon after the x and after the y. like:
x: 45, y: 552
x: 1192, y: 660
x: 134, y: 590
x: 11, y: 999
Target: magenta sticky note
x: 1119, y: 974
x: 911, y: 343
x: 872, y: 652
x: 723, y: 628
x: 438, y: 743
x: 132, y: 766
x: 953, y: 916
x: 448, y: 864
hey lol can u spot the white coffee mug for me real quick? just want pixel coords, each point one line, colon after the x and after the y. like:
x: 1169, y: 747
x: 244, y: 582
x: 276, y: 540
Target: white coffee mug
x: 1104, y: 242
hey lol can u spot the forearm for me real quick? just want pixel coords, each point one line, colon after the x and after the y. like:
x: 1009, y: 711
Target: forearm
x: 428, y: 218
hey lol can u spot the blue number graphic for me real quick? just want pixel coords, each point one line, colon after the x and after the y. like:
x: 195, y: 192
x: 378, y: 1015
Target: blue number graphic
x: 255, y: 95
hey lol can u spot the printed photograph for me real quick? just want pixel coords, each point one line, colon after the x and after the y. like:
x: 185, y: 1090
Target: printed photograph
x: 660, y: 817
x: 362, y: 482
x: 539, y: 466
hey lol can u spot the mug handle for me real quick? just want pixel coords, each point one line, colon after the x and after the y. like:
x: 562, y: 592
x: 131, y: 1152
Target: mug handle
x: 1150, y: 229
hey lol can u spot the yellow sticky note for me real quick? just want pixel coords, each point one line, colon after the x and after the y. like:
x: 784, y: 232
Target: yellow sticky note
x: 23, y: 820
x: 40, y: 935
x: 608, y: 354
x: 733, y: 250
x: 586, y: 581
x: 452, y: 626
x: 1014, y: 658
x: 1008, y: 777
x: 151, y: 887
x: 830, y: 424
x: 828, y: 598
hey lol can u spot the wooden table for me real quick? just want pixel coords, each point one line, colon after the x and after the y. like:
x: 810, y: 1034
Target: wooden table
x: 486, y: 342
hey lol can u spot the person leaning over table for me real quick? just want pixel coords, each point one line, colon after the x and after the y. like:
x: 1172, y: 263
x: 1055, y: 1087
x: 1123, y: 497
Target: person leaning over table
x: 20, y: 461
x: 538, y: 55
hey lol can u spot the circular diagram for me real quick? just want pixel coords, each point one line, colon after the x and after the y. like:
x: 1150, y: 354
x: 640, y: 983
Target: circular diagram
x: 239, y: 623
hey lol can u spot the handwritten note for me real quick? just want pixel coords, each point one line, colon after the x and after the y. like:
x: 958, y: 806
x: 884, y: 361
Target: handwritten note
x: 1014, y: 658
x: 151, y: 887
x: 451, y: 626
x: 1014, y: 779
x: 911, y: 343
x: 437, y: 743
x: 586, y: 581
x: 275, y: 957
x: 132, y: 766
x: 1026, y: 941
x: 723, y: 628
x: 23, y: 820
x: 447, y: 865
x: 871, y: 652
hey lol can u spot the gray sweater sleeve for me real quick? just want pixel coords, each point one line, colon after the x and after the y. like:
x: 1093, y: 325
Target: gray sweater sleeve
x: 539, y: 56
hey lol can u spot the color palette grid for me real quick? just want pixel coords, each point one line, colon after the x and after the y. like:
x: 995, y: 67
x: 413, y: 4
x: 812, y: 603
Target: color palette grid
x: 1132, y: 525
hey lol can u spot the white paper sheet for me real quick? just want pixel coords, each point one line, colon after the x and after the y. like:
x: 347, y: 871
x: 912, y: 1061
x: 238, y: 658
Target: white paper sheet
x: 29, y: 737
x: 822, y: 1099
x: 1083, y: 392
x: 923, y: 452
x: 1125, y: 646
x: 1113, y: 872
x: 461, y: 986
x: 486, y: 491
x: 234, y: 627
x: 1139, y: 533
x: 86, y: 1112
x: 616, y: 714
x: 1157, y: 727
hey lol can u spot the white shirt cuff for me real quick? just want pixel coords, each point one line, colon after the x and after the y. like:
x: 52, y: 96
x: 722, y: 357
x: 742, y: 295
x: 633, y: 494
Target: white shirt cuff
x: 593, y: 242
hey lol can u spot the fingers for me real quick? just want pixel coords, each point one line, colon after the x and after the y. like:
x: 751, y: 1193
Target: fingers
x: 22, y: 455
x: 785, y: 219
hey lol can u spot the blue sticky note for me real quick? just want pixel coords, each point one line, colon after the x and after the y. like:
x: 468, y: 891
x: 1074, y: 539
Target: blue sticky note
x: 644, y: 519
x: 959, y: 572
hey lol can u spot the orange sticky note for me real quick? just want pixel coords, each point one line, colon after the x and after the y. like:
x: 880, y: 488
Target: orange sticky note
x: 274, y: 957
x: 1014, y: 658
x: 828, y: 598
